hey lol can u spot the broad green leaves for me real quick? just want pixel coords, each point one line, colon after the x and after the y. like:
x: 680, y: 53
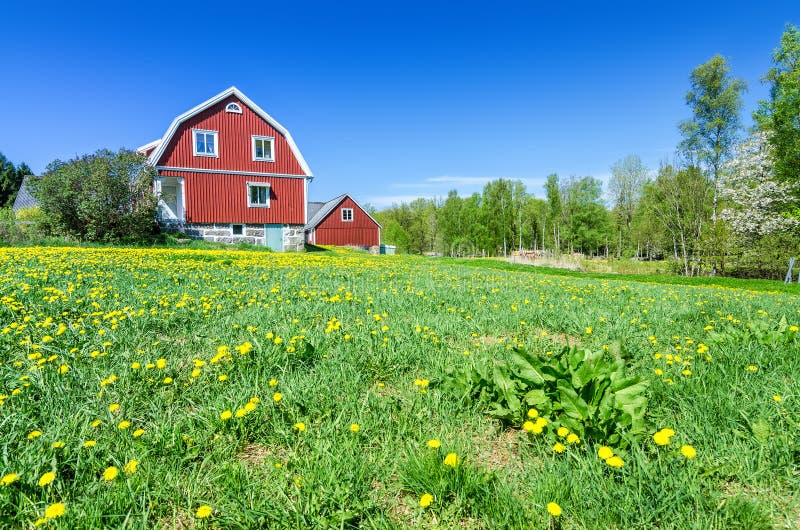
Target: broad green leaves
x: 588, y: 392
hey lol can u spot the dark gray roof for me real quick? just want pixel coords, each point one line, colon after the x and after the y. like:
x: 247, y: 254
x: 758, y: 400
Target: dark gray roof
x: 24, y: 198
x: 313, y: 208
x: 323, y: 211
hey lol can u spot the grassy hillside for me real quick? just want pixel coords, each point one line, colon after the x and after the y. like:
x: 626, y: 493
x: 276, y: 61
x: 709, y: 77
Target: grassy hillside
x: 169, y: 388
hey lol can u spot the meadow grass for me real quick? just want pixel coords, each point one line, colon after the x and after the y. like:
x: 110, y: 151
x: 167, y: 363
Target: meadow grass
x: 302, y: 390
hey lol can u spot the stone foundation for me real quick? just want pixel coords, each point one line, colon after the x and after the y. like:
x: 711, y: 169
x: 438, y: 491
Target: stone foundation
x: 293, y: 235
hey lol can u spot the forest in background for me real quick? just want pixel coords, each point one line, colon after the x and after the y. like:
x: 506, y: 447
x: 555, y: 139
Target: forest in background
x: 727, y: 202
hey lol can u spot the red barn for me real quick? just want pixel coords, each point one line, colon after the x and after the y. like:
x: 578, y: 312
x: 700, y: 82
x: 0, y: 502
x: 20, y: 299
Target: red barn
x: 228, y: 172
x: 343, y: 222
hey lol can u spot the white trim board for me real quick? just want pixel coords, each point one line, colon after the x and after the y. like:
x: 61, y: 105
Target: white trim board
x: 229, y: 172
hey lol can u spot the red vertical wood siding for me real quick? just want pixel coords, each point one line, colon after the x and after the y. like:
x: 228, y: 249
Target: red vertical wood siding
x: 222, y: 198
x: 362, y: 231
x: 235, y: 148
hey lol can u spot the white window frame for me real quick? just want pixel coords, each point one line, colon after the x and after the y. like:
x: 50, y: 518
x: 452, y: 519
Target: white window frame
x: 350, y: 211
x: 250, y: 185
x: 234, y: 108
x: 238, y: 224
x: 271, y: 140
x: 215, y: 135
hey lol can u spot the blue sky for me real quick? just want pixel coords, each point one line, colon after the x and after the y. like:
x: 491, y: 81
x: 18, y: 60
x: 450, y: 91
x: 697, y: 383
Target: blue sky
x: 387, y: 101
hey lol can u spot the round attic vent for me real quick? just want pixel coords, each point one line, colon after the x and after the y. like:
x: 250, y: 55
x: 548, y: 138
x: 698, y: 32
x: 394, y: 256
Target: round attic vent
x: 233, y: 107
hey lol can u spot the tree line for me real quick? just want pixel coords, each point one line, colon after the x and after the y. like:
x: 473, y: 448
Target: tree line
x: 728, y: 201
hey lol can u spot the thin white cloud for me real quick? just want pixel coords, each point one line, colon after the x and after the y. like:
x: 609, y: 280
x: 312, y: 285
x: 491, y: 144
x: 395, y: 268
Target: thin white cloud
x: 439, y: 186
x: 384, y: 201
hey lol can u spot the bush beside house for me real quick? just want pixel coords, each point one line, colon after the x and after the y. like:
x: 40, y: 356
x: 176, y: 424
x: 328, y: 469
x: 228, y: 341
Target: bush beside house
x: 106, y: 196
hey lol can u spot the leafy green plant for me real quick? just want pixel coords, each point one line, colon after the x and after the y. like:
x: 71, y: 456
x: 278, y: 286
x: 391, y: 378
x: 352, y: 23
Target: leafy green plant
x: 587, y: 392
x: 764, y: 332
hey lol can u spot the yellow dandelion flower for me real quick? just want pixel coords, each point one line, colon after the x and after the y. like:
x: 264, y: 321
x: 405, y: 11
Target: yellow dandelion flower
x: 34, y: 434
x: 663, y: 436
x: 562, y: 431
x: 777, y: 399
x: 223, y: 377
x: 559, y: 447
x: 131, y: 467
x: 57, y: 444
x: 588, y: 331
x: 63, y: 369
x: 110, y: 473
x: 8, y: 479
x: 138, y: 432
x: 161, y: 364
x: 124, y: 424
x: 277, y: 396
x: 573, y: 438
x: 426, y: 500
x: 273, y: 382
x: 47, y: 478
x: 225, y: 415
x: 528, y: 426
x: 114, y: 407
x: 249, y: 406
x: 688, y: 451
x: 532, y: 413
x: 615, y: 461
x: 300, y: 426
x: 167, y: 380
x: 553, y: 508
x: 355, y: 427
x: 136, y: 366
x: 451, y: 460
x: 204, y: 511
x: 89, y: 443
x: 97, y: 423
x: 434, y: 444
x: 605, y: 452
x: 55, y: 510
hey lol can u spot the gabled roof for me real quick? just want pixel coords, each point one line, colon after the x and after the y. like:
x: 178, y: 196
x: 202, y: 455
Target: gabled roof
x: 313, y: 207
x: 327, y: 208
x: 146, y: 147
x: 24, y: 198
x: 232, y: 91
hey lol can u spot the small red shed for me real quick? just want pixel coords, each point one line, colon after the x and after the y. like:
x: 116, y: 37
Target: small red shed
x: 342, y: 222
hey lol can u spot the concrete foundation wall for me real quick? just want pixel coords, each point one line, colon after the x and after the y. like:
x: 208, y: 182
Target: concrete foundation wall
x: 293, y: 235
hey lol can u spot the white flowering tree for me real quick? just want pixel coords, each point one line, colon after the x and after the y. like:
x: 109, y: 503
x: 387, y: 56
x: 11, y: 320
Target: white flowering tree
x: 756, y: 200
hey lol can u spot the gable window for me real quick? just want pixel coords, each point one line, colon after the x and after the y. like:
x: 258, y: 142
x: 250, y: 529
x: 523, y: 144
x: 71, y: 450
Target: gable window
x: 263, y: 148
x: 258, y: 194
x: 237, y: 230
x: 233, y: 107
x: 205, y: 143
x: 347, y: 214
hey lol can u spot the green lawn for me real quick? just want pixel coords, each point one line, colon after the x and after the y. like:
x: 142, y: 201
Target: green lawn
x: 273, y: 390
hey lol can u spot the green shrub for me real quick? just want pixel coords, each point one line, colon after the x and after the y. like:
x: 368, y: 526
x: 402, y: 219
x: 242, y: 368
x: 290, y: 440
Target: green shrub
x: 106, y: 196
x: 587, y: 392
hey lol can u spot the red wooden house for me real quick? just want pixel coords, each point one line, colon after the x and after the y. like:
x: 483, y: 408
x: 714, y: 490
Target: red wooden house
x: 228, y: 172
x: 341, y: 221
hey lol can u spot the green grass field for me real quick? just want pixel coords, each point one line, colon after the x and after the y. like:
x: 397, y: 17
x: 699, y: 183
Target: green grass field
x: 165, y: 388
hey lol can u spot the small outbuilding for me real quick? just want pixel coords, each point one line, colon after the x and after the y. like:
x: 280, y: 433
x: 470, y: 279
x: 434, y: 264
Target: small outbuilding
x: 342, y: 222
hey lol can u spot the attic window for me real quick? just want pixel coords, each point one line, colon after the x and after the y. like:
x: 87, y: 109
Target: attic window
x: 233, y: 107
x: 347, y: 214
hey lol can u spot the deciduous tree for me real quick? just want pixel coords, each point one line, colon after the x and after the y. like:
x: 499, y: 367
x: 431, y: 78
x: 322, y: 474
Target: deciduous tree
x: 715, y: 99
